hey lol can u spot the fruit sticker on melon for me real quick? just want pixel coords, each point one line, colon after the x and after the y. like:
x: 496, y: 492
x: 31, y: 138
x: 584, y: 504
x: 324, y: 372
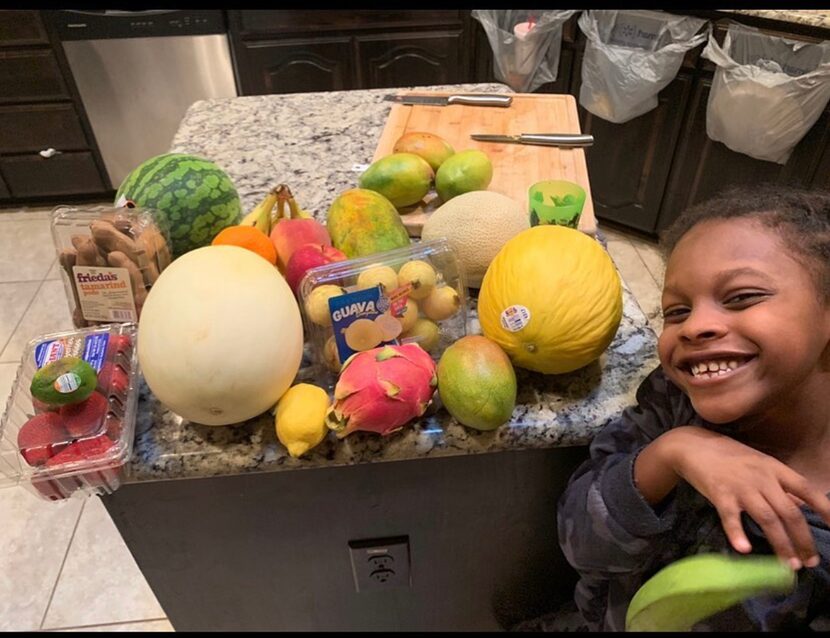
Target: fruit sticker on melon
x: 220, y: 338
x: 193, y: 196
x: 552, y: 299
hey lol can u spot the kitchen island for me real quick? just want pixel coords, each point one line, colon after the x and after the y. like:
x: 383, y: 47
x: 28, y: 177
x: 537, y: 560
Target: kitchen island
x: 231, y: 534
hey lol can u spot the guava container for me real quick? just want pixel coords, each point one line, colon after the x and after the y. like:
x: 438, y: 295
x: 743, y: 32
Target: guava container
x: 415, y: 294
x: 75, y: 442
x: 109, y: 259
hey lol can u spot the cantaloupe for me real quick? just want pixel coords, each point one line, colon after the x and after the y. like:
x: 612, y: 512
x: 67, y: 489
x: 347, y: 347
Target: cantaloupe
x: 477, y: 224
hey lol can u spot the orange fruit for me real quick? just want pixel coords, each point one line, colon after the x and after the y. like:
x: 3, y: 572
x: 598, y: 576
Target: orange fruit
x: 247, y: 237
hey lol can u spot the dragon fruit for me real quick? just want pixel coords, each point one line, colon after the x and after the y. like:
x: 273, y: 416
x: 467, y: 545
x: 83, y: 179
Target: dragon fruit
x: 382, y: 389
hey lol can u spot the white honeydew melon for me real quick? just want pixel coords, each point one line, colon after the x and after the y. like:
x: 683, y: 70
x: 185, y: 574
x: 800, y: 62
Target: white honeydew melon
x: 220, y: 336
x: 477, y: 224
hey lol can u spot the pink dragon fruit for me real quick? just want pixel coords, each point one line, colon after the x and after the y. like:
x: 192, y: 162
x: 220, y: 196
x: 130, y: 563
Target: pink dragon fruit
x: 382, y: 389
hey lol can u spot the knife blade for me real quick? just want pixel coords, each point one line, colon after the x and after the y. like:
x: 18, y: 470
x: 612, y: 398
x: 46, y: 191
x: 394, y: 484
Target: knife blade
x: 469, y: 99
x: 567, y: 140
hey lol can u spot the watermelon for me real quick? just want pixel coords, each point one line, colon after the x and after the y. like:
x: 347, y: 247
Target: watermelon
x: 191, y: 196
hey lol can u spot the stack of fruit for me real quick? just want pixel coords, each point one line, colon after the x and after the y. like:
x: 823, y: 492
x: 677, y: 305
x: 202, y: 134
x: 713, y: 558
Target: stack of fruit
x: 73, y: 410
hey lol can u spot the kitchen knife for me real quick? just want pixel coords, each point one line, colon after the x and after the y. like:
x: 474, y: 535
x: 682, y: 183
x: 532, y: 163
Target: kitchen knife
x: 469, y: 99
x: 573, y: 140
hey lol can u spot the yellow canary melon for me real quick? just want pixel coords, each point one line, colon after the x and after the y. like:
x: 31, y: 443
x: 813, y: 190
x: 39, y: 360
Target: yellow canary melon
x: 477, y: 224
x: 552, y: 299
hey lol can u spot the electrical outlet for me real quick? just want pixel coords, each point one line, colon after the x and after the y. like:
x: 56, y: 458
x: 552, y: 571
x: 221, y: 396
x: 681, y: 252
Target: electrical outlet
x: 380, y: 563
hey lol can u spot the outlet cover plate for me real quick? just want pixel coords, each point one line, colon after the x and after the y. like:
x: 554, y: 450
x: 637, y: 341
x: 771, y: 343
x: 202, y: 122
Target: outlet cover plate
x: 380, y: 563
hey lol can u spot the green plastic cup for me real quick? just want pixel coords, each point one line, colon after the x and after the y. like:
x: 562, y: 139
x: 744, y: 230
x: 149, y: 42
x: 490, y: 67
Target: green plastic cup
x: 556, y: 201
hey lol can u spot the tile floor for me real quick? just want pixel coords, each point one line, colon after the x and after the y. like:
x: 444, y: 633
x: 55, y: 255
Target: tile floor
x: 64, y: 566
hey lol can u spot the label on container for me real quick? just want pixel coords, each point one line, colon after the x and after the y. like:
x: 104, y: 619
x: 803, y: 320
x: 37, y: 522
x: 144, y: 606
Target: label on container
x: 359, y: 321
x: 105, y: 294
x: 91, y: 348
x: 514, y: 318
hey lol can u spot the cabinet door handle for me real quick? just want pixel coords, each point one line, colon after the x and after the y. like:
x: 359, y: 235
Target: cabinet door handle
x: 49, y: 152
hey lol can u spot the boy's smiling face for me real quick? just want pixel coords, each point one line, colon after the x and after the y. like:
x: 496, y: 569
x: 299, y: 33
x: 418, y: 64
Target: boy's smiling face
x: 736, y: 302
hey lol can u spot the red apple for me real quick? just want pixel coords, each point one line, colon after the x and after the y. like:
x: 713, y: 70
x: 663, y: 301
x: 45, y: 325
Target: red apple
x: 307, y: 257
x: 289, y: 234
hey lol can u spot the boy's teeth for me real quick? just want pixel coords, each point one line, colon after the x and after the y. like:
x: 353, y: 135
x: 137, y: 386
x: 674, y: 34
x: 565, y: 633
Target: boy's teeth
x: 714, y: 367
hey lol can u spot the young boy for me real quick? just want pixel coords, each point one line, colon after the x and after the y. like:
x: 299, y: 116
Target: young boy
x: 728, y: 447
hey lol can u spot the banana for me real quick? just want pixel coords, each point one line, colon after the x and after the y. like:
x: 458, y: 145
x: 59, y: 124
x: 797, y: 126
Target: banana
x: 286, y: 197
x: 696, y: 587
x: 260, y: 216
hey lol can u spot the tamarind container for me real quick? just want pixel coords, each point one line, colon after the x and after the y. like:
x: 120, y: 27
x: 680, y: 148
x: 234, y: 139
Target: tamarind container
x: 109, y: 258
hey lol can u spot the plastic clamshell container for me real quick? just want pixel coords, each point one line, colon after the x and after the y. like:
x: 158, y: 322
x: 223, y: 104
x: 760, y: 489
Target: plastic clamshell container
x: 328, y: 352
x: 109, y: 258
x: 56, y: 463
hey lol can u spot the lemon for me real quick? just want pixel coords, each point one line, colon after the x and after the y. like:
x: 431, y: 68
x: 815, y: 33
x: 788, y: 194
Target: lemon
x: 300, y: 418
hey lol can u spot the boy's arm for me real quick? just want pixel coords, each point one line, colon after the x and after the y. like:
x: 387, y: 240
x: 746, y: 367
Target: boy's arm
x: 605, y: 522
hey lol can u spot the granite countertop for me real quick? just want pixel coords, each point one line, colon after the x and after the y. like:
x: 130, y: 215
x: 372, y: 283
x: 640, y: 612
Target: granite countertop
x: 819, y: 18
x: 312, y: 141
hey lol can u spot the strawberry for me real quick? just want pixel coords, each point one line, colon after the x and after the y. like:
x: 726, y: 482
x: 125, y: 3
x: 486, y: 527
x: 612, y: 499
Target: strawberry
x: 82, y: 450
x: 112, y: 426
x: 41, y: 438
x: 112, y: 378
x: 119, y: 344
x: 84, y: 418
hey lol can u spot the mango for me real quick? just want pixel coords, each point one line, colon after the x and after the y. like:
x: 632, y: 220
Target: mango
x: 363, y: 222
x: 463, y: 172
x: 477, y: 383
x: 434, y: 149
x: 402, y: 178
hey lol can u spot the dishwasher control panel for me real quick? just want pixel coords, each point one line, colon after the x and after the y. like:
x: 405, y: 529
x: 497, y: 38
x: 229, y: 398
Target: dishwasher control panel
x: 109, y: 24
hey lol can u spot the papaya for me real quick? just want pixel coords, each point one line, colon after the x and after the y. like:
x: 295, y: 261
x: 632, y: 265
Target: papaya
x: 431, y: 147
x: 402, y: 178
x: 363, y: 222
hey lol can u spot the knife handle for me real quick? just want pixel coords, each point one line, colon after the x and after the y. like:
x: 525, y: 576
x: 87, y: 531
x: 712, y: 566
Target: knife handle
x: 480, y: 99
x: 553, y: 139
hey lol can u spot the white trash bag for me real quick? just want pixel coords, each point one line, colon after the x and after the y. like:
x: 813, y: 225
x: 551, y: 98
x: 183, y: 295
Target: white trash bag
x: 767, y: 92
x: 525, y: 43
x: 631, y: 56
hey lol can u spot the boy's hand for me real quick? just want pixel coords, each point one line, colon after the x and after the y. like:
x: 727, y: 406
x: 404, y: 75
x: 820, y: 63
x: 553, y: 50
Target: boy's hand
x: 735, y: 477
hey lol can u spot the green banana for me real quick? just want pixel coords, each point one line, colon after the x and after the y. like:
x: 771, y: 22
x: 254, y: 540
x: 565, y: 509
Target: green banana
x: 696, y: 587
x: 260, y: 216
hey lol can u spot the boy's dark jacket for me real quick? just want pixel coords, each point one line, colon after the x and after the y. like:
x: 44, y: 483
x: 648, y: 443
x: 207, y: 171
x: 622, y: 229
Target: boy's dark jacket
x: 616, y: 540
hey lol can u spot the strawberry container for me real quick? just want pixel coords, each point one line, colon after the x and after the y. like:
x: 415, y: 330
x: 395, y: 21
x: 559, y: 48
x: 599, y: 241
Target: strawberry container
x: 109, y: 259
x: 69, y: 422
x: 415, y: 294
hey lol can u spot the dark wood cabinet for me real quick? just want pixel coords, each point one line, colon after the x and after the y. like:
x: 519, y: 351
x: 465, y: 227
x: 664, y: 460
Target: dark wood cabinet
x: 295, y: 66
x: 629, y: 163
x: 703, y: 167
x: 294, y: 51
x: 414, y: 59
x: 40, y: 109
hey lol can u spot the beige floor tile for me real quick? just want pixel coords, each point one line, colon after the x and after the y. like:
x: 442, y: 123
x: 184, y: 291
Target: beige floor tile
x: 22, y: 214
x: 54, y: 271
x: 14, y: 301
x: 144, y: 625
x: 36, y: 536
x: 643, y: 286
x: 49, y: 312
x: 26, y: 250
x: 653, y: 258
x: 100, y: 582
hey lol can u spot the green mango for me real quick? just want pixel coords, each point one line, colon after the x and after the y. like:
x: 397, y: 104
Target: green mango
x: 402, y: 178
x: 463, y: 172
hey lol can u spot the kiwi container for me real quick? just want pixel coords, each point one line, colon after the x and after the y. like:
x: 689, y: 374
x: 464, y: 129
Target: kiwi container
x: 328, y: 352
x: 114, y: 253
x: 90, y: 459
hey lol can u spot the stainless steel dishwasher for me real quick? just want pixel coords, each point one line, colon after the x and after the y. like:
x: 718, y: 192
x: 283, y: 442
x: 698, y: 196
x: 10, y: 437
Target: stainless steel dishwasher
x: 138, y: 71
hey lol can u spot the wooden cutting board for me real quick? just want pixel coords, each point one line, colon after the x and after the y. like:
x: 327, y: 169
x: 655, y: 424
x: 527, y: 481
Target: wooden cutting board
x: 515, y: 166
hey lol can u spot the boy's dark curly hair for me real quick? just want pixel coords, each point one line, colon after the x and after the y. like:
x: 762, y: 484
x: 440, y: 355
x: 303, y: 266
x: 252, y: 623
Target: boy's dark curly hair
x: 802, y: 217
